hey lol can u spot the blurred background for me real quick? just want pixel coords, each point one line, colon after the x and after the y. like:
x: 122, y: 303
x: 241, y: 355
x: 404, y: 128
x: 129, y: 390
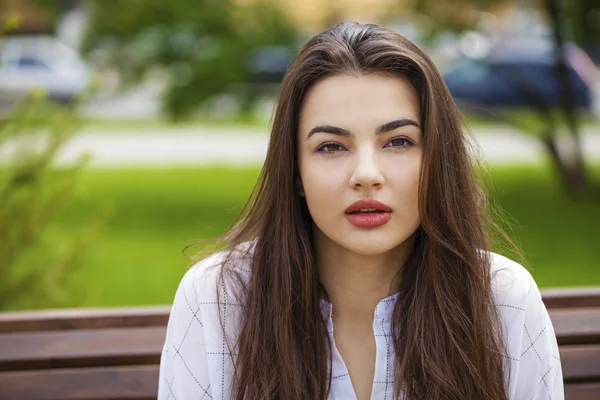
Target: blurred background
x: 130, y: 129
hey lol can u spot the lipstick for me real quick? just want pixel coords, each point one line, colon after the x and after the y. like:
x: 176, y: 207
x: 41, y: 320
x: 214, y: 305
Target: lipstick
x: 368, y: 214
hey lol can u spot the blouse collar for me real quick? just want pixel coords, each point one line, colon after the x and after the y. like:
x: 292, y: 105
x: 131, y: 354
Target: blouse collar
x: 383, y: 309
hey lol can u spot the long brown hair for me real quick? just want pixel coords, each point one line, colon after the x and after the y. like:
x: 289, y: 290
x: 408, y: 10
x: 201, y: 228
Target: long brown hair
x: 445, y: 327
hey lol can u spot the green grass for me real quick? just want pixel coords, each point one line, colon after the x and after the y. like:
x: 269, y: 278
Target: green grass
x: 560, y: 236
x: 137, y: 258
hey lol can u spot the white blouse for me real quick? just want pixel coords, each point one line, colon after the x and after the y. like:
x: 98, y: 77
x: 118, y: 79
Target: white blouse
x: 196, y: 363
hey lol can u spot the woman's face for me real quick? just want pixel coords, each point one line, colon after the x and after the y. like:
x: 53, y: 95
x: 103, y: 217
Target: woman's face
x: 359, y: 138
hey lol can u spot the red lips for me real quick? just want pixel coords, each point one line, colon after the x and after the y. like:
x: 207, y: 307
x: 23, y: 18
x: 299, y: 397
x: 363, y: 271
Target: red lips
x: 366, y: 205
x: 368, y: 214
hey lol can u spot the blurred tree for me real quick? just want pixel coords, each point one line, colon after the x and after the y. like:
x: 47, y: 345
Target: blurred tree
x: 37, y: 263
x: 571, y: 167
x: 453, y: 15
x: 581, y: 18
x: 204, y: 45
x: 582, y: 21
x: 53, y: 8
x: 576, y: 17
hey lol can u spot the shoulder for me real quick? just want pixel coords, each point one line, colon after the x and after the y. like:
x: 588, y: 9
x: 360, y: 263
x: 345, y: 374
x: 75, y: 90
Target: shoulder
x: 512, y: 283
x: 531, y: 345
x: 203, y: 278
x: 517, y: 297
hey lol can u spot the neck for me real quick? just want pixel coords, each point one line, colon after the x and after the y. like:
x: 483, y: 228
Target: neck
x: 356, y: 283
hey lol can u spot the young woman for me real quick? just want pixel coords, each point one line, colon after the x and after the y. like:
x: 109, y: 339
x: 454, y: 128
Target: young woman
x: 361, y: 267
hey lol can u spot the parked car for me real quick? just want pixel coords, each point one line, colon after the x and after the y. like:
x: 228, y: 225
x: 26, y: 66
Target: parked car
x: 41, y: 62
x: 522, y: 73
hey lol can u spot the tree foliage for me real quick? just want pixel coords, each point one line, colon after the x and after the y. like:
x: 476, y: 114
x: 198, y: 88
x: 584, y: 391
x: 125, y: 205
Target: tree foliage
x: 582, y: 21
x: 581, y: 18
x: 453, y: 15
x: 38, y: 263
x: 205, y: 45
x: 568, y: 21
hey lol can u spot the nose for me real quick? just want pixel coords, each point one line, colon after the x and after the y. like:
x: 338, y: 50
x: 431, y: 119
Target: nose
x: 366, y: 173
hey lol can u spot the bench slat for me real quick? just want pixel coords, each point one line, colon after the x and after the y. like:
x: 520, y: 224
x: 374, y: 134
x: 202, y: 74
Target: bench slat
x: 106, y: 383
x: 582, y: 391
x: 571, y: 297
x: 140, y: 383
x: 115, y: 346
x: 61, y: 349
x: 83, y: 318
x: 97, y: 318
x: 57, y: 349
x: 576, y: 326
x: 580, y: 363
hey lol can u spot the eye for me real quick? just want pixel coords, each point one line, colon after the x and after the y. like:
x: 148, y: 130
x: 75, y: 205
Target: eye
x: 399, y: 142
x: 330, y: 148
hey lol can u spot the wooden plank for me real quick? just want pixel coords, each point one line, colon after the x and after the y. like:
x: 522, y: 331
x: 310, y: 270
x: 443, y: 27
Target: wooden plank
x: 580, y: 363
x: 576, y: 326
x: 582, y: 391
x: 140, y: 383
x: 83, y: 318
x: 571, y: 326
x: 571, y: 297
x: 97, y: 318
x: 105, y: 383
x: 61, y: 349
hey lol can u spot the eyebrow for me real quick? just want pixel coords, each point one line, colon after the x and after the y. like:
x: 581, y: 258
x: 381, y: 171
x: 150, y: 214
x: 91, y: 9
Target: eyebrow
x: 389, y: 126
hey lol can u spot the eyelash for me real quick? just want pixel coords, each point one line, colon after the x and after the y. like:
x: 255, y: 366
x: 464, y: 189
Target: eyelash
x: 322, y: 147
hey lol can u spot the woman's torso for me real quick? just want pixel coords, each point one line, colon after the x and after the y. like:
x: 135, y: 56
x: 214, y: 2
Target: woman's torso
x: 200, y: 358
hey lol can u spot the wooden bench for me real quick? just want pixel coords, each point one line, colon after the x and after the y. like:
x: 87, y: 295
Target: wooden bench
x: 101, y: 354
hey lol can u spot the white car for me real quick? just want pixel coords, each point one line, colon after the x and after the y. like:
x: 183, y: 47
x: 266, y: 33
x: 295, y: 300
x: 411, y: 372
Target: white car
x: 29, y: 63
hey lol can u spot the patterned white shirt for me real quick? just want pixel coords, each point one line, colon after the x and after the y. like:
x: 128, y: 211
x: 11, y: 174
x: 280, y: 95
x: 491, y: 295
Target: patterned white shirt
x: 195, y: 362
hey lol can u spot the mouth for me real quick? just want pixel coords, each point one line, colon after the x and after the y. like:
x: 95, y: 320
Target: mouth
x: 368, y: 214
x: 367, y: 206
x: 367, y: 211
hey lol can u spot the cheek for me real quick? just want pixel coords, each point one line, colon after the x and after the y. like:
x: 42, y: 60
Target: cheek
x: 323, y: 187
x: 318, y: 173
x: 412, y: 182
x: 322, y: 184
x: 405, y: 185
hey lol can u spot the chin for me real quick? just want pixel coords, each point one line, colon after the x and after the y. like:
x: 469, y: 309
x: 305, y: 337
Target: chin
x: 370, y: 247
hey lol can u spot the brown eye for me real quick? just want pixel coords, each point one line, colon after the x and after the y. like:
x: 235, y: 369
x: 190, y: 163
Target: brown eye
x: 399, y: 142
x: 330, y: 148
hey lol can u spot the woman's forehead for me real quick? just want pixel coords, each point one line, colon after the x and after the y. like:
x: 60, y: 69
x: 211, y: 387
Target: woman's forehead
x: 359, y: 100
